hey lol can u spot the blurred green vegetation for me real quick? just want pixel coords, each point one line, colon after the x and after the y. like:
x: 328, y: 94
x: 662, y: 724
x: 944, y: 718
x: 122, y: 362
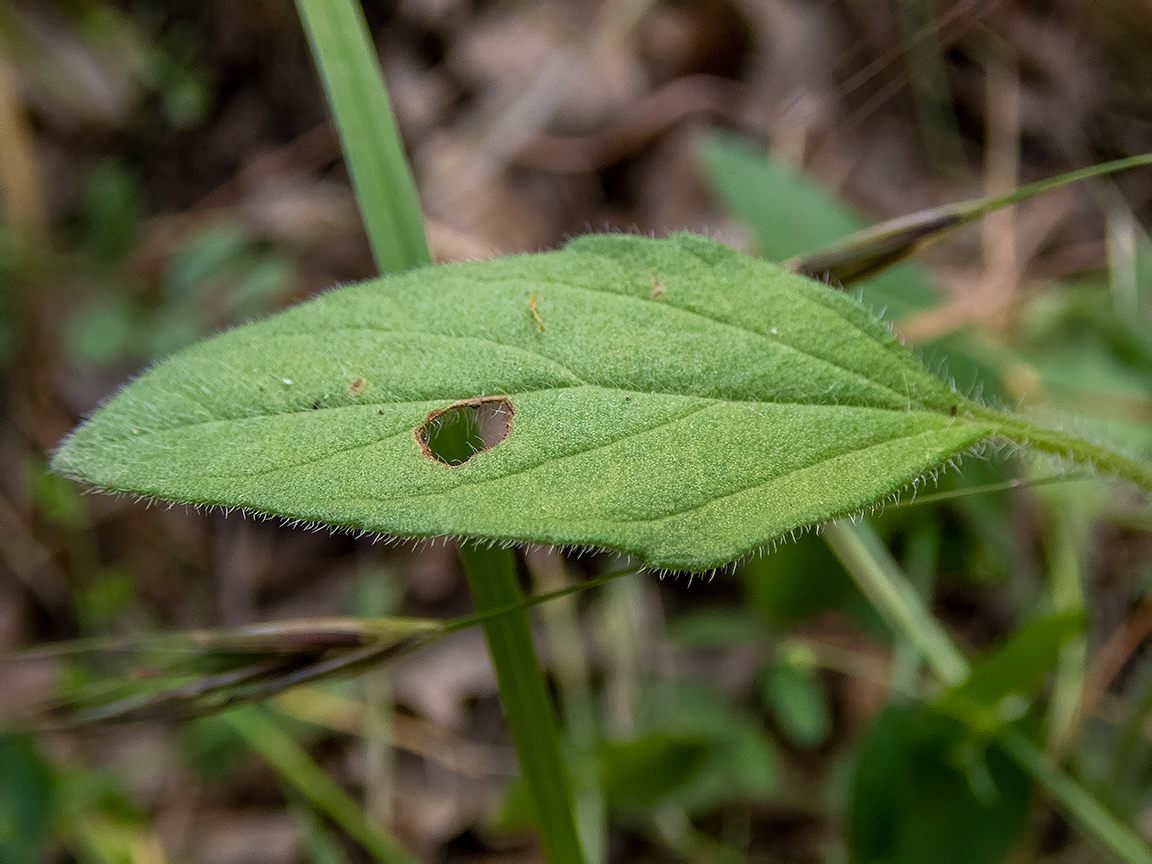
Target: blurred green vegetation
x: 768, y: 715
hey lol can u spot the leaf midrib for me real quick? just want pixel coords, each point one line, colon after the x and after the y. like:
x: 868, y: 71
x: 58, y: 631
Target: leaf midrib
x: 648, y: 520
x: 473, y: 483
x: 409, y: 431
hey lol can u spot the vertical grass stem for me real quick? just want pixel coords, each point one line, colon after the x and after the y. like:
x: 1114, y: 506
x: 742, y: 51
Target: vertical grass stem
x: 373, y: 151
x: 391, y: 210
x: 492, y: 577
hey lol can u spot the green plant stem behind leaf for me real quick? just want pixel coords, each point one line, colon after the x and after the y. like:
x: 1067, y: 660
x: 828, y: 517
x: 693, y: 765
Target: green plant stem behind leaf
x: 686, y: 403
x: 491, y: 577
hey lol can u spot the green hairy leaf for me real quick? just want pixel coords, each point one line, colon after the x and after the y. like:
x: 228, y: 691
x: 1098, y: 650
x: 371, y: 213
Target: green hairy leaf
x: 669, y: 398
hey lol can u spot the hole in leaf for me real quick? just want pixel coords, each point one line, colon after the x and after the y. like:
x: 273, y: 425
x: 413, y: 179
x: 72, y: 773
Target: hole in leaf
x: 457, y: 433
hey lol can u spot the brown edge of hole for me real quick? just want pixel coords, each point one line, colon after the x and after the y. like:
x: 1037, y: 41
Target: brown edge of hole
x: 421, y: 431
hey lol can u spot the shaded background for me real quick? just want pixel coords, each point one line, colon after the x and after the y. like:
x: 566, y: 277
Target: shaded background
x: 168, y: 170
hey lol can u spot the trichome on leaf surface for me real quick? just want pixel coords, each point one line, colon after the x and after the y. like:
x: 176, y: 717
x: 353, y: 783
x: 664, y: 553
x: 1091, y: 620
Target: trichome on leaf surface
x: 686, y: 404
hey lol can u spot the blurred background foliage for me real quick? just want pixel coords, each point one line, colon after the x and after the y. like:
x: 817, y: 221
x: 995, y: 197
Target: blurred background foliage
x: 167, y: 170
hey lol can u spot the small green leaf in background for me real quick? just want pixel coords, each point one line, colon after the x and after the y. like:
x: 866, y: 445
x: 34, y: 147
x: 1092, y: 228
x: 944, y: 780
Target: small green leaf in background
x: 261, y: 282
x: 111, y: 591
x: 919, y: 793
x: 101, y: 333
x: 173, y: 328
x: 795, y: 696
x: 1001, y: 684
x: 97, y: 817
x: 211, y: 748
x: 740, y: 762
x: 55, y: 498
x: 646, y: 771
x: 715, y: 628
x: 184, y: 95
x: 218, y: 276
x: 205, y: 257
x: 112, y: 210
x: 26, y: 799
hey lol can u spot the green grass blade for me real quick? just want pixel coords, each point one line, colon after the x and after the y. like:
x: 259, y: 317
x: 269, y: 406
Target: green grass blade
x: 391, y: 210
x: 372, y: 147
x: 1066, y: 541
x: 296, y: 767
x: 492, y: 577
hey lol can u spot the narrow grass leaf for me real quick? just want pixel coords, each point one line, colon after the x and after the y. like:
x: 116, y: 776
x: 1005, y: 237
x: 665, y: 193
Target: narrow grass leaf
x: 372, y: 147
x: 491, y: 575
x: 645, y: 771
